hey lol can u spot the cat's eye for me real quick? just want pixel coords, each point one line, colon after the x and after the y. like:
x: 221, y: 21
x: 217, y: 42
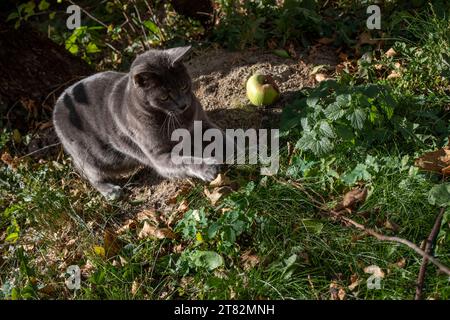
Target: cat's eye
x: 164, y: 97
x: 185, y: 87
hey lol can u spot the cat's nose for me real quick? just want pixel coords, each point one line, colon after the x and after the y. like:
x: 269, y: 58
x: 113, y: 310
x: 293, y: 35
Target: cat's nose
x: 183, y: 107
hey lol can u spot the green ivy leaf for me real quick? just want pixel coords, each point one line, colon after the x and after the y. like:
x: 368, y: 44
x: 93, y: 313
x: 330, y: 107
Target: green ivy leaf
x: 207, y: 259
x: 312, y: 102
x: 334, y: 112
x: 326, y: 129
x: 12, y: 16
x: 281, y: 53
x: 344, y: 100
x: 43, y: 5
x: 357, y: 118
x: 312, y: 226
x: 358, y: 173
x: 439, y: 195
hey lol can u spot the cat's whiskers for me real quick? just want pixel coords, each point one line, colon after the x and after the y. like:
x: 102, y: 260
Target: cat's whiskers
x: 164, y: 123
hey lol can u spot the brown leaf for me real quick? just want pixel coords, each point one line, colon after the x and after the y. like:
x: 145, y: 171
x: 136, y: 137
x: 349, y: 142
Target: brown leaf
x: 9, y: 160
x: 401, y: 263
x: 112, y: 244
x: 128, y: 225
x: 391, y: 225
x: 378, y: 66
x: 184, y: 189
x: 336, y: 291
x: 436, y: 161
x: 272, y: 44
x: 390, y: 53
x: 249, y: 260
x: 354, y: 282
x: 148, y: 214
x: 366, y: 38
x: 343, y: 56
x: 134, y: 287
x: 326, y: 40
x: 149, y: 231
x: 45, y: 125
x: 87, y: 269
x: 220, y: 180
x: 49, y: 289
x: 394, y: 75
x: 183, y: 207
x: 321, y: 77
x: 291, y: 50
x: 217, y: 193
x: 354, y: 197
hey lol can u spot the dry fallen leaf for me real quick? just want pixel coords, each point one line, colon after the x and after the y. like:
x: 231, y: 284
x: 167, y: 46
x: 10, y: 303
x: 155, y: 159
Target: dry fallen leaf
x: 217, y: 193
x: 366, y: 38
x: 390, y: 53
x: 149, y: 231
x: 112, y: 244
x: 343, y: 56
x: 391, y: 225
x: 49, y: 289
x: 355, y: 281
x: 128, y: 225
x: 183, y: 207
x: 148, y: 214
x: 354, y: 197
x: 87, y: 269
x: 321, y: 77
x: 184, y: 189
x: 134, y: 287
x: 436, y: 161
x: 375, y: 270
x: 394, y: 75
x: 220, y: 180
x: 249, y: 260
x: 292, y: 51
x: 336, y: 291
x: 326, y: 40
x: 9, y: 160
x: 401, y: 263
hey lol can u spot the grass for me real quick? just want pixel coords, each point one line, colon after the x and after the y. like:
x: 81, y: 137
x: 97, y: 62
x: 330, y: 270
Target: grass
x: 266, y: 240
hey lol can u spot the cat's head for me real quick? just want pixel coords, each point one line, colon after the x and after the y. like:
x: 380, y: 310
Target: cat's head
x: 161, y: 81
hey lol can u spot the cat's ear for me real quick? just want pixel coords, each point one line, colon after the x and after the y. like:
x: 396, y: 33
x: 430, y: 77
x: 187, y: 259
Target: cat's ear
x: 178, y: 53
x: 142, y: 79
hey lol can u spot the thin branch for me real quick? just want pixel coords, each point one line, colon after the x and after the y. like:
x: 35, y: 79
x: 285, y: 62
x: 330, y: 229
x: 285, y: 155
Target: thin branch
x: 141, y: 24
x: 88, y: 14
x: 38, y: 150
x: 428, y: 249
x: 371, y: 232
x: 98, y: 21
x: 407, y: 243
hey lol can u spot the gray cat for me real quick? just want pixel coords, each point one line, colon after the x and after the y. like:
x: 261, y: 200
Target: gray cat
x: 115, y: 123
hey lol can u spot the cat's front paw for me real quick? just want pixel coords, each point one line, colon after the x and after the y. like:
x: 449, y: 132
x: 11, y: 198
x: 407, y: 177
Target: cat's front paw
x: 112, y: 192
x: 207, y: 170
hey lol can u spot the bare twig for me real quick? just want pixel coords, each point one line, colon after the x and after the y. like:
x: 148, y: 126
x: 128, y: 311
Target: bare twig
x: 141, y: 24
x: 89, y: 15
x: 407, y: 243
x: 428, y: 249
x: 38, y: 150
x: 371, y: 232
x: 98, y: 21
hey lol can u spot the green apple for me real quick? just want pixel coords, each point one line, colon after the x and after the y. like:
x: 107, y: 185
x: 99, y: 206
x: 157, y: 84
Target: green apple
x: 262, y: 90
